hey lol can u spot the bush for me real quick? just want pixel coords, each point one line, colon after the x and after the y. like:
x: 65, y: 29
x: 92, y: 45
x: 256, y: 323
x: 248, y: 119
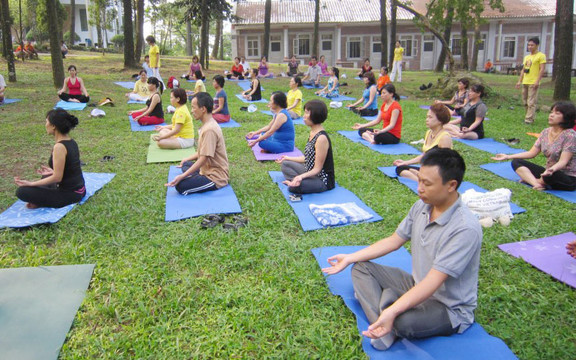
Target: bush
x: 67, y: 37
x: 118, y: 40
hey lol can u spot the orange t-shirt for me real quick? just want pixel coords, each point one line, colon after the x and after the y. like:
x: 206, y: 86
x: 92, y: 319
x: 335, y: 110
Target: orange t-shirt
x: 19, y: 48
x: 383, y: 80
x: 29, y: 47
x: 386, y: 116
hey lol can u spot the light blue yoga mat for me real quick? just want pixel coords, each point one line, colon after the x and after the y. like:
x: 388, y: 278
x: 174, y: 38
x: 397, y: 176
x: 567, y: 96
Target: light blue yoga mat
x: 9, y: 101
x: 134, y: 126
x: 393, y: 149
x: 336, y: 195
x: 390, y: 171
x: 490, y: 145
x: 126, y: 84
x: 474, y: 344
x: 239, y: 96
x: 229, y: 124
x: 136, y: 102
x: 312, y: 87
x: 178, y: 207
x: 504, y: 169
x: 70, y: 106
x: 245, y: 84
x: 38, y: 307
x: 17, y: 215
x: 299, y: 121
x: 338, y: 98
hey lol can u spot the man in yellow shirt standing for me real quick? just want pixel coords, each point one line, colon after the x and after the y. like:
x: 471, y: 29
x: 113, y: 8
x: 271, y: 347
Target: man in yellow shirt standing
x: 397, y: 64
x: 154, y: 54
x: 530, y: 78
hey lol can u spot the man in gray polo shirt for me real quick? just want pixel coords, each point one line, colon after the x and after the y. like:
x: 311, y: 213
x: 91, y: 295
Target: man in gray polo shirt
x: 312, y: 76
x: 440, y: 296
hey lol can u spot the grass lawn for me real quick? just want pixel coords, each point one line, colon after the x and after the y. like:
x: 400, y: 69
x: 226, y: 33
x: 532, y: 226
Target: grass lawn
x: 174, y: 291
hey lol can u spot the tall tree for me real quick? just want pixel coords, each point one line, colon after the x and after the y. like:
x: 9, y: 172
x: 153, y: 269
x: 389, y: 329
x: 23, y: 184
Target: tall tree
x: 316, y: 35
x: 55, y: 53
x: 447, y: 25
x: 475, y: 47
x: 129, y: 59
x: 383, y: 34
x: 217, y: 36
x: 267, y: 15
x: 204, y: 35
x: 464, y: 46
x: 6, y: 21
x: 139, y: 30
x: 72, y: 22
x: 188, y: 37
x: 556, y: 44
x: 565, y: 9
x: 393, y: 12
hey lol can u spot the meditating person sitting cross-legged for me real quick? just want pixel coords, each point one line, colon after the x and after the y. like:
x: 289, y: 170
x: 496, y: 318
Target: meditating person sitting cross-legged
x: 278, y: 136
x: 180, y: 134
x: 62, y: 182
x: 438, y: 115
x: 152, y: 114
x: 558, y: 144
x: 472, y: 116
x: 313, y: 172
x: 208, y: 168
x: 73, y: 89
x: 439, y: 297
x: 141, y: 91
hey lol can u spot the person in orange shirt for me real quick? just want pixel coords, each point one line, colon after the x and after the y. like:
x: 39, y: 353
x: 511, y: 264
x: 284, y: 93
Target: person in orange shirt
x: 29, y: 50
x: 383, y: 79
x: 19, y: 53
x: 488, y: 67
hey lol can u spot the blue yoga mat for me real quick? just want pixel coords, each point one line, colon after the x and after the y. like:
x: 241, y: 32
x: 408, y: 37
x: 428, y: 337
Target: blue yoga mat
x: 70, y: 106
x: 229, y: 124
x: 474, y: 344
x: 136, y: 102
x: 395, y: 149
x: 126, y: 84
x: 178, y: 207
x: 490, y: 145
x: 239, y: 96
x: 390, y: 171
x: 299, y: 121
x: 504, y: 169
x: 245, y: 84
x: 17, y: 215
x: 312, y: 87
x: 368, y: 118
x: 336, y: 195
x: 134, y: 126
x: 10, y: 101
x: 338, y: 98
x: 38, y: 307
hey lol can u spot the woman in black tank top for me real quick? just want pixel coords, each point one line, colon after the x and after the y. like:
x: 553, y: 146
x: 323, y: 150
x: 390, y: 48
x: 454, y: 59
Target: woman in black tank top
x: 62, y: 182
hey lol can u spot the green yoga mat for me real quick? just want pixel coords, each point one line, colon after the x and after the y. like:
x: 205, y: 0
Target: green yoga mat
x: 37, y: 307
x: 157, y: 155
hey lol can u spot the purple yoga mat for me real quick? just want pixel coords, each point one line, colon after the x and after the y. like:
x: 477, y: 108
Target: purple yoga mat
x: 261, y: 156
x: 548, y: 255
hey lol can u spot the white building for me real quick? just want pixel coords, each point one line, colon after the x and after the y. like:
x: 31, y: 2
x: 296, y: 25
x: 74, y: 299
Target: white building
x: 87, y: 33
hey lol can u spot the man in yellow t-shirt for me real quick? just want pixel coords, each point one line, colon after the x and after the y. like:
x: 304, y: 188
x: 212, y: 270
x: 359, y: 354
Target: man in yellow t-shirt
x: 530, y: 77
x: 154, y: 54
x: 397, y: 64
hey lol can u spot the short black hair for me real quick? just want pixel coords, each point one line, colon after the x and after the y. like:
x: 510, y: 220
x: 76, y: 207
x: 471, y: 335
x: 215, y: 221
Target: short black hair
x: 568, y: 111
x: 465, y: 82
x: 180, y: 94
x: 371, y: 79
x: 204, y: 100
x: 62, y: 120
x: 151, y: 39
x: 142, y: 71
x: 72, y: 67
x: 318, y: 111
x: 535, y: 40
x: 279, y: 98
x: 313, y: 57
x: 450, y: 164
x: 298, y: 81
x: 220, y: 80
x: 477, y: 88
x: 198, y: 75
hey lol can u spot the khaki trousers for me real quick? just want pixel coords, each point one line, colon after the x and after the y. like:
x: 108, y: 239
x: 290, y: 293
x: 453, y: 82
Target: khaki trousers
x: 529, y: 98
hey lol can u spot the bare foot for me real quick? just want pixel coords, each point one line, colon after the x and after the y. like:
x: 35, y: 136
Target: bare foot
x: 539, y: 187
x: 32, y: 206
x: 263, y: 151
x: 74, y: 100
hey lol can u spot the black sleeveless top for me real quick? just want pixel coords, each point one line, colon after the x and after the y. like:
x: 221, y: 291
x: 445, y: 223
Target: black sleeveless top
x: 72, y: 178
x: 157, y: 111
x: 327, y: 172
x: 258, y: 93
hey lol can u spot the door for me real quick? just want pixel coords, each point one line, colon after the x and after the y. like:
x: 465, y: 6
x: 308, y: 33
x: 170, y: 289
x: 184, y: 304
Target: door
x: 428, y: 53
x: 326, y: 46
x: 376, y: 54
x: 481, y: 53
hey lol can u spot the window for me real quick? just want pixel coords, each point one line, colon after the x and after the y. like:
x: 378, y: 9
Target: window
x: 326, y: 42
x: 482, y: 42
x: 354, y: 47
x: 456, y: 46
x: 83, y: 20
x: 302, y: 45
x: 252, y: 44
x: 408, y: 43
x: 509, y: 47
x: 428, y: 43
x: 275, y: 42
x: 376, y: 44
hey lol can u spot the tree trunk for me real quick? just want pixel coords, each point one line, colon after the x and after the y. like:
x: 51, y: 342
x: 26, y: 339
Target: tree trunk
x: 221, y: 55
x: 556, y: 42
x: 105, y: 29
x: 188, y: 37
x: 139, y: 30
x: 383, y: 34
x: 129, y: 59
x: 565, y: 52
x: 72, y: 22
x: 56, y: 54
x: 21, y: 30
x: 204, y: 34
x: 393, y: 11
x: 477, y: 42
x: 316, y: 34
x: 446, y: 39
x: 6, y: 22
x: 267, y: 14
x: 464, y: 47
x: 216, y: 46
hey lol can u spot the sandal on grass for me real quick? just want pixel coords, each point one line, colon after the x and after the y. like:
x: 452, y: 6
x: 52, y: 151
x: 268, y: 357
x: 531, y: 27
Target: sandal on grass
x: 238, y: 221
x: 211, y: 221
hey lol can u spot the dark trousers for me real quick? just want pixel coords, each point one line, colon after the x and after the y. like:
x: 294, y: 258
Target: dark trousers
x: 382, y: 138
x: 366, y: 112
x: 194, y: 183
x: 313, y: 184
x: 557, y: 181
x: 81, y: 98
x: 49, y: 196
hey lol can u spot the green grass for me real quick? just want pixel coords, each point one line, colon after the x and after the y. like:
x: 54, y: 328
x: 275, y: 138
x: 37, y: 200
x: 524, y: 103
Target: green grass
x: 173, y: 291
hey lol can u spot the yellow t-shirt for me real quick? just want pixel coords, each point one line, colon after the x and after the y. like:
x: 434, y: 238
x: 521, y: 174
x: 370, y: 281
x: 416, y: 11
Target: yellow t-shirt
x: 182, y: 116
x: 154, y: 53
x: 398, y: 52
x: 533, y: 62
x: 199, y: 87
x: 294, y: 95
x: 434, y: 142
x: 141, y: 88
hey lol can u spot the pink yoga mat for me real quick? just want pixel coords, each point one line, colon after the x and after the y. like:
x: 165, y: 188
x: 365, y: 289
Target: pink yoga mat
x: 548, y: 255
x: 261, y: 156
